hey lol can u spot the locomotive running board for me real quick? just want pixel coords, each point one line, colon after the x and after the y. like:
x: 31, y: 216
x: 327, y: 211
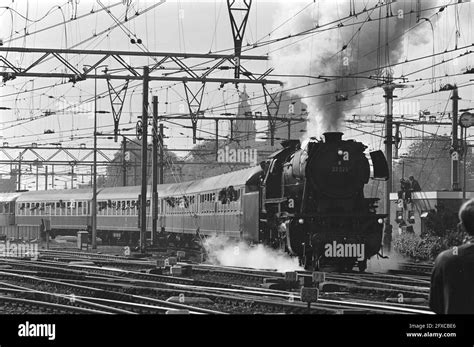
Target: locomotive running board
x: 275, y: 200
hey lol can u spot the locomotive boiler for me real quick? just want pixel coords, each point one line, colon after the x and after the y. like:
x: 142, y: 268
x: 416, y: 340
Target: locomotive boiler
x: 313, y: 202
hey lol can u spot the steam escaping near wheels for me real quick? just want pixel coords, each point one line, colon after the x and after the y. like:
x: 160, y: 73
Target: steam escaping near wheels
x: 221, y: 250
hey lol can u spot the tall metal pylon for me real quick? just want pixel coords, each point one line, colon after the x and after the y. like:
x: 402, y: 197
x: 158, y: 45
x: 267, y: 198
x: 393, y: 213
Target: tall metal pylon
x: 238, y: 28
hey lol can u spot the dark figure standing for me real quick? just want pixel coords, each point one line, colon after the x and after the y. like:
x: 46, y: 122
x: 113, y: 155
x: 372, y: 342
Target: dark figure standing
x: 414, y: 185
x: 452, y: 280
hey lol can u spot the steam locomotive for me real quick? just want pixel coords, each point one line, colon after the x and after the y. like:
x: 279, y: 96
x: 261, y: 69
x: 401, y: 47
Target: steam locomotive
x: 307, y: 200
x: 313, y: 201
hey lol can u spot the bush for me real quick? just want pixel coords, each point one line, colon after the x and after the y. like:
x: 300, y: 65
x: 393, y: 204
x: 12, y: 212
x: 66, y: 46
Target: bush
x: 426, y: 247
x: 440, y: 221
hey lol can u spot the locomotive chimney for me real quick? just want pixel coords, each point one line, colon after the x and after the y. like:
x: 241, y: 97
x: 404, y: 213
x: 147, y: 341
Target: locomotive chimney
x: 332, y: 136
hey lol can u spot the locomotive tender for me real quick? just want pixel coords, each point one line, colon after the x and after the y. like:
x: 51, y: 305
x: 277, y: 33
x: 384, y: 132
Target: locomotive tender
x: 307, y: 201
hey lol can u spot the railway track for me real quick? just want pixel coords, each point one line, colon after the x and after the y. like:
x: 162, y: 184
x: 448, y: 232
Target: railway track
x: 122, y: 288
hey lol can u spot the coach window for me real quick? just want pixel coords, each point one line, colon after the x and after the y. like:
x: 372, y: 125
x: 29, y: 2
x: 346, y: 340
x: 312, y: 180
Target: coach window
x: 113, y: 209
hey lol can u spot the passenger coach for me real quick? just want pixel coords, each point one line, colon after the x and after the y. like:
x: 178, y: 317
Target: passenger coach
x: 227, y: 204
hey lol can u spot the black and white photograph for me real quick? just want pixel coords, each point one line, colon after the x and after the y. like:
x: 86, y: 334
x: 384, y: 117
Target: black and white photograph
x: 182, y: 168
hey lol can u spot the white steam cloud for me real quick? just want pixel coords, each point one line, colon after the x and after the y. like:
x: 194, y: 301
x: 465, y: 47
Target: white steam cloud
x: 341, y: 51
x: 222, y: 251
x: 381, y: 265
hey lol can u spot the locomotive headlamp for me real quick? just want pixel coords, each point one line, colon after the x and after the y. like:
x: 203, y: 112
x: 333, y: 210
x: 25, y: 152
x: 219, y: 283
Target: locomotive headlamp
x: 339, y: 152
x: 301, y: 220
x: 380, y: 221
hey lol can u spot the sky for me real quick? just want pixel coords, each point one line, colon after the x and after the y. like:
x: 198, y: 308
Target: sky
x: 204, y: 27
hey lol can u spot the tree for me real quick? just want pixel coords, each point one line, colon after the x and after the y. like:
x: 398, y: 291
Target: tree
x: 206, y: 152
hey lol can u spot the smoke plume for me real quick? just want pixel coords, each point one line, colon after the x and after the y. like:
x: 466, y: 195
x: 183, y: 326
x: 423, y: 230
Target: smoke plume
x: 345, y: 50
x: 222, y: 251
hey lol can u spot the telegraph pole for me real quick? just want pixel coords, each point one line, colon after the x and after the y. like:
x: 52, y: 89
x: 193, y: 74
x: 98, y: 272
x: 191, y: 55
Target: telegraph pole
x: 46, y: 177
x: 37, y: 177
x: 144, y: 160
x: 19, y: 173
x: 217, y: 139
x: 124, y: 162
x: 154, y: 218
x: 388, y: 89
x: 162, y: 159
x: 455, y: 186
x: 94, y: 176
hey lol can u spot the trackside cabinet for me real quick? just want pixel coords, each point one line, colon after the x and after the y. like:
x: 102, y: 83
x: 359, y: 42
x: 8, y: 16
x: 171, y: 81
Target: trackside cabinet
x: 82, y: 239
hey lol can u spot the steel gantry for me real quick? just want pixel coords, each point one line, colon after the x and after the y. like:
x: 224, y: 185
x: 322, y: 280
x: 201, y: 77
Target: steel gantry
x: 167, y: 66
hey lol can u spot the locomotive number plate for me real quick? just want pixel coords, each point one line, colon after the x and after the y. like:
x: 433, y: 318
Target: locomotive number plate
x: 339, y: 169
